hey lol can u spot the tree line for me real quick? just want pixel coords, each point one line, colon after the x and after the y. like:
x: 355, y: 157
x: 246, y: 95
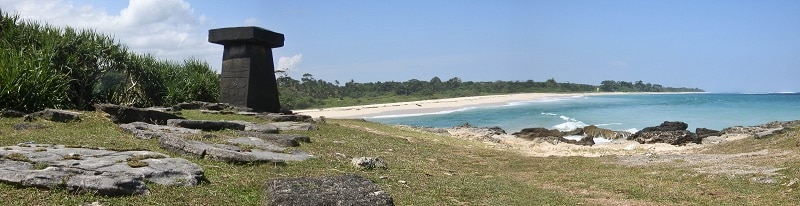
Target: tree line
x: 309, y: 92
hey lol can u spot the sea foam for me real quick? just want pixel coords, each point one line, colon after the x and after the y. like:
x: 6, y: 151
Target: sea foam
x: 570, y: 124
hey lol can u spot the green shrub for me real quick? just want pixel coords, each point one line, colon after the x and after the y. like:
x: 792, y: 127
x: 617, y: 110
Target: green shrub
x: 42, y: 66
x: 27, y: 84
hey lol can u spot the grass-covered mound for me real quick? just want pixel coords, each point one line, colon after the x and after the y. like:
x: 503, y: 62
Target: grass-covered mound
x: 43, y: 66
x: 429, y: 169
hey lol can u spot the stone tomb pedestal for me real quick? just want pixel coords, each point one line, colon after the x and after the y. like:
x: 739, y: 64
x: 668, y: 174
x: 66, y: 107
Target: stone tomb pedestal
x: 248, y: 71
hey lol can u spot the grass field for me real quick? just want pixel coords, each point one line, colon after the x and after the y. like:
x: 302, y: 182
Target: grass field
x: 435, y: 170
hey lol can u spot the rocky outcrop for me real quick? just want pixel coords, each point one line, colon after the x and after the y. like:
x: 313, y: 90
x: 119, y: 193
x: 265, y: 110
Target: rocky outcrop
x: 122, y: 114
x: 705, y: 132
x: 55, y: 115
x: 551, y: 136
x: 241, y: 152
x: 206, y: 125
x: 105, y: 172
x: 484, y: 134
x: 596, y: 132
x: 673, y: 133
x: 541, y: 135
x: 677, y: 137
x: 143, y: 130
x: 327, y: 190
x: 574, y: 132
x: 666, y: 126
x: 762, y: 131
x: 535, y: 133
x: 584, y: 141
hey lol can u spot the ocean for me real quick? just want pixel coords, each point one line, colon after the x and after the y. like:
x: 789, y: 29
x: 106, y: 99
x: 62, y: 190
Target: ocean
x: 625, y: 112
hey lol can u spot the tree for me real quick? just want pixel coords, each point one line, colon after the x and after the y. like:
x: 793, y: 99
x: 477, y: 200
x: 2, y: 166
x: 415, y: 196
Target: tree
x: 551, y: 83
x: 453, y: 83
x: 640, y: 87
x: 608, y: 85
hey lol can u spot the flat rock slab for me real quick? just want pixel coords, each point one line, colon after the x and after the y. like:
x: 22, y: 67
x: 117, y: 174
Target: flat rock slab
x: 299, y: 126
x: 257, y: 143
x: 328, y: 190
x: 216, y: 112
x: 55, y: 115
x: 285, y: 140
x: 275, y: 127
x: 105, y: 172
x: 11, y: 113
x: 205, y: 106
x: 28, y: 126
x: 144, y: 130
x: 263, y: 128
x: 208, y: 125
x: 276, y: 117
x: 213, y: 125
x: 240, y: 153
x: 122, y: 114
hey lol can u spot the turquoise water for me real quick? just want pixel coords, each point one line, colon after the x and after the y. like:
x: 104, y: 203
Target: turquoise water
x: 628, y: 112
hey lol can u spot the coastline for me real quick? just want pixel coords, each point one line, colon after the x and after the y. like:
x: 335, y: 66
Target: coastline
x: 439, y: 105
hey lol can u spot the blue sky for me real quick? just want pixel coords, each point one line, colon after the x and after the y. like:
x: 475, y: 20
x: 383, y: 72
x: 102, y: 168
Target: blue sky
x: 720, y: 46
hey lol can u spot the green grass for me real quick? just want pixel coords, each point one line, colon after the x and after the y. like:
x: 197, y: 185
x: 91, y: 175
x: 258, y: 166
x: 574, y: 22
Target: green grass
x: 437, y: 170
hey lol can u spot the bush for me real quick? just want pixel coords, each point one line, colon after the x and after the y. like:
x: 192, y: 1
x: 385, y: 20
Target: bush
x: 42, y: 66
x: 27, y: 85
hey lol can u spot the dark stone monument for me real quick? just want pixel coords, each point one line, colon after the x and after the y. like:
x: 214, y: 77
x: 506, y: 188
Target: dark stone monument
x: 248, y: 72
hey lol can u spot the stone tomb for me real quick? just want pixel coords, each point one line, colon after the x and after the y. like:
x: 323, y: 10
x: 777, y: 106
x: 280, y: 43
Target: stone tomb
x: 248, y: 71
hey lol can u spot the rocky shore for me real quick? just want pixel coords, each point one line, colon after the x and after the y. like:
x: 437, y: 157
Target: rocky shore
x: 668, y: 137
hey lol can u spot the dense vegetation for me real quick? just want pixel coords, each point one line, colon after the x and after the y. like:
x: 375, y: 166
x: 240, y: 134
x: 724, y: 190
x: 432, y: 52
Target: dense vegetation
x: 309, y: 92
x: 42, y: 66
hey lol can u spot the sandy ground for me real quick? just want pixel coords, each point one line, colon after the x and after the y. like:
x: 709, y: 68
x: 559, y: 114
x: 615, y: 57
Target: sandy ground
x: 632, y: 153
x: 431, y: 106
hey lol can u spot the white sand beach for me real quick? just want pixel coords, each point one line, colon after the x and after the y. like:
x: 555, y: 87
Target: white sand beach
x: 430, y: 106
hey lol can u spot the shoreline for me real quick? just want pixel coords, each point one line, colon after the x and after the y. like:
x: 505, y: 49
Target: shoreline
x: 440, y: 105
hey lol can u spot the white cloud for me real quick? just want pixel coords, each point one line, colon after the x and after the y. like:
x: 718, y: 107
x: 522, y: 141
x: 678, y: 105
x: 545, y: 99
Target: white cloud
x: 251, y: 21
x: 167, y: 29
x: 289, y: 63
